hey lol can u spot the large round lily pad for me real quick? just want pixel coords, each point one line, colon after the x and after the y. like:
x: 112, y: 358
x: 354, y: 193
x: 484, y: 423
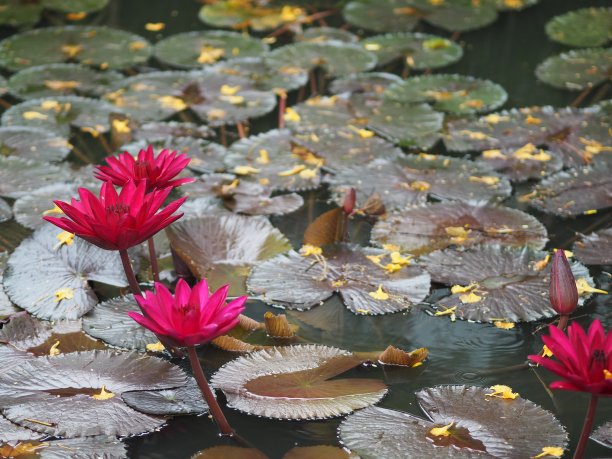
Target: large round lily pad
x: 381, y: 16
x: 294, y: 382
x: 249, y: 13
x: 586, y: 27
x: 33, y: 143
x: 595, y: 249
x: 100, y: 47
x: 32, y: 207
x: 441, y: 225
x: 200, y: 48
x: 49, y: 278
x: 367, y: 280
x: 19, y: 177
x: 481, y: 426
x: 577, y: 70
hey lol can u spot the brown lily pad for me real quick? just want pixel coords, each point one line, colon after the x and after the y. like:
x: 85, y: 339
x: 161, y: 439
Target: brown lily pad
x: 595, y: 249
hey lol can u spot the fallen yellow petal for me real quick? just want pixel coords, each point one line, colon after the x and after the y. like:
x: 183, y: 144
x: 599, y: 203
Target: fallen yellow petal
x: 420, y: 185
x: 155, y: 26
x: 504, y: 325
x: 590, y: 212
x: 155, y: 347
x: 470, y: 298
x: 103, y: 395
x: 379, y: 294
x: 308, y: 174
x: 493, y: 154
x: 372, y: 46
x: 293, y: 171
x: 215, y: 114
x: 65, y: 293
x: 172, y: 102
x: 137, y: 45
x: 58, y: 85
x: 487, y: 179
x: 494, y: 118
x: 234, y: 100
x: 245, y: 170
x: 460, y: 289
x: 76, y: 16
x: 583, y: 287
x: 227, y: 90
x: 71, y: 50
x: 34, y: 116
x: 122, y: 126
x: 308, y: 249
x: 292, y: 115
x: 441, y: 431
x: 391, y: 247
x: 541, y: 264
x: 392, y: 267
x: 502, y: 391
x: 552, y: 451
x: 546, y: 352
x: 397, y: 258
x: 210, y: 54
x: 64, y: 238
x: 55, y: 349
x: 446, y: 312
x: 264, y: 157
x: 532, y: 120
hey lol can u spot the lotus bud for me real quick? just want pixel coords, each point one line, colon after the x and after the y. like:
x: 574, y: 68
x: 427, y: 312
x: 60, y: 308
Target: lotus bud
x: 348, y: 206
x: 563, y: 291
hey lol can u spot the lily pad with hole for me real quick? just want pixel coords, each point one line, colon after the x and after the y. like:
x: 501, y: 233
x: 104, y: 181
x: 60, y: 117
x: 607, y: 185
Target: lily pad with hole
x: 603, y: 434
x: 366, y: 279
x: 495, y: 283
x: 100, y: 47
x: 419, y: 51
x: 456, y: 94
x: 322, y: 34
x: 20, y: 177
x: 525, y: 163
x: 33, y: 143
x: 437, y: 226
x: 294, y: 382
x: 576, y: 70
x: 6, y: 307
x: 60, y: 395
x: 243, y: 14
x: 334, y: 57
x: 60, y: 114
x: 199, y: 48
x: 481, y: 426
x: 49, y: 279
x: 182, y: 400
x: 368, y: 82
x: 223, y: 248
x: 595, y: 249
x: 585, y: 27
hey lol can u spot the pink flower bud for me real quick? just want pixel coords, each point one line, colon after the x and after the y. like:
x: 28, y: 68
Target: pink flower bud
x: 563, y: 291
x: 348, y: 206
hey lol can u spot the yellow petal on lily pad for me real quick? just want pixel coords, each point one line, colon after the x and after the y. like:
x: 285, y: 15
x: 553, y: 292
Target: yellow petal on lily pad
x: 391, y: 247
x: 64, y: 238
x: 501, y: 391
x: 583, y: 287
x: 293, y: 171
x: 494, y: 118
x: 441, y: 431
x: 245, y: 170
x: 54, y: 350
x: 550, y: 451
x: 379, y: 294
x: 308, y: 174
x: 590, y: 212
x: 71, y: 51
x: 308, y: 249
x: 420, y: 185
x: 447, y: 312
x: 541, y: 264
x: 493, y: 154
x: 122, y: 126
x: 172, y: 102
x: 486, y: 179
x: 504, y: 325
x: 58, y: 85
x: 461, y: 289
x: 397, y: 258
x: 228, y: 90
x: 292, y: 115
x: 34, y: 116
x: 264, y: 157
x: 64, y: 293
x: 470, y: 298
x: 104, y: 394
x: 155, y: 347
x: 78, y: 16
x: 372, y: 46
x: 392, y: 267
x: 210, y: 54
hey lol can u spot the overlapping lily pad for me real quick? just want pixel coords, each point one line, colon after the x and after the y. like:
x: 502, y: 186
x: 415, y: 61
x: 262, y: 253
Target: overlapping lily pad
x: 19, y: 177
x: 100, y: 47
x: 49, y: 279
x: 321, y: 34
x: 33, y: 143
x: 60, y: 395
x: 182, y: 400
x: 294, y: 382
x: 494, y: 283
x: 366, y: 279
x: 30, y: 208
x: 19, y: 13
x: 482, y: 427
x: 10, y: 432
x: 576, y: 70
x: 200, y: 48
x: 368, y: 82
x: 83, y: 448
x: 155, y: 131
x: 595, y: 249
x: 249, y: 13
x: 441, y: 225
x: 527, y: 162
x: 420, y: 51
x: 455, y: 94
x: 586, y: 27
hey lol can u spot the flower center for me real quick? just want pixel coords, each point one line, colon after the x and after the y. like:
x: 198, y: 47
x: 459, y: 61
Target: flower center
x: 142, y: 169
x: 598, y: 360
x: 118, y: 209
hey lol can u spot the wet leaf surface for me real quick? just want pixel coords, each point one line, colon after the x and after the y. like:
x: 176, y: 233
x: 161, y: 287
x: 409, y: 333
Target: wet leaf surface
x: 585, y: 27
x: 603, y: 434
x: 524, y: 163
x: 226, y: 13
x: 31, y: 207
x: 369, y: 82
x: 181, y: 401
x: 595, y: 248
x: 33, y: 143
x: 6, y: 213
x: 576, y: 70
x: 10, y: 432
x: 84, y: 448
x: 324, y: 34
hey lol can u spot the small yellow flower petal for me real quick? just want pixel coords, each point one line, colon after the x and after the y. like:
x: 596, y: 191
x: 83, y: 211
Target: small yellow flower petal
x: 264, y: 157
x: 372, y: 46
x: 420, y: 185
x: 55, y: 210
x: 546, y: 352
x: 65, y: 293
x: 441, y: 431
x: 58, y: 85
x: 447, y: 312
x: 104, y: 394
x: 493, y: 154
x: 172, y: 102
x: 532, y: 120
x: 397, y: 258
x: 76, y: 16
x: 550, y: 451
x: 34, y: 116
x: 391, y: 247
x: 379, y: 294
x: 461, y: 289
x: 71, y: 51
x: 392, y: 267
x: 308, y: 174
x: 457, y: 232
x: 590, y: 212
x: 55, y: 349
x: 293, y: 171
x: 292, y: 115
x: 155, y: 347
x: 309, y: 249
x: 541, y: 264
x: 487, y: 180
x: 501, y: 391
x: 504, y: 325
x: 64, y: 238
x: 210, y: 54
x: 583, y: 287
x: 227, y: 90
x: 155, y: 26
x: 245, y: 170
x: 607, y: 374
x: 122, y: 126
x: 470, y: 298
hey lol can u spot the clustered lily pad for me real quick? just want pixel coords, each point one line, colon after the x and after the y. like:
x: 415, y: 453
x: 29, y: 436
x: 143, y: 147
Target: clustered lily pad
x: 586, y: 27
x: 595, y: 248
x: 577, y: 70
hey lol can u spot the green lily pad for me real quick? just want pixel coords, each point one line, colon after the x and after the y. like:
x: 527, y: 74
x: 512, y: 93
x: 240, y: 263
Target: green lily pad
x: 420, y: 51
x: 321, y: 34
x: 75, y: 6
x: 100, y: 47
x: 182, y: 400
x: 259, y: 17
x: 586, y: 27
x: 382, y: 15
x: 576, y: 70
x: 17, y: 13
x: 369, y: 82
x: 457, y: 15
x: 199, y: 48
x: 514, y: 5
x: 457, y: 94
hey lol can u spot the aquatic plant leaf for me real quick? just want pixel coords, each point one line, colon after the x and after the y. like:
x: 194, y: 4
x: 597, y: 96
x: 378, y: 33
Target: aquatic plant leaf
x: 183, y: 400
x: 84, y: 448
x: 75, y: 6
x: 456, y: 94
x: 366, y: 286
x: 215, y: 247
x: 603, y: 434
x: 595, y: 249
x: 199, y: 48
x: 259, y: 17
x: 524, y: 163
x: 381, y: 15
x: 328, y: 228
x: 10, y: 432
x: 336, y: 58
x: 271, y: 159
x: 518, y: 429
x: 30, y: 208
x: 514, y: 5
x: 368, y: 82
x: 161, y: 130
x: 576, y: 70
x: 457, y: 15
x: 293, y: 382
x: 110, y: 322
x: 49, y: 279
x: 6, y: 213
x: 20, y: 13
x: 19, y: 177
x: 318, y: 452
x: 324, y: 34
x: 437, y: 226
x: 6, y: 307
x: 253, y: 199
x: 229, y: 452
x: 33, y: 143
x: 495, y: 283
x: 585, y: 27
x: 419, y: 51
x: 59, y: 114
x: 29, y: 393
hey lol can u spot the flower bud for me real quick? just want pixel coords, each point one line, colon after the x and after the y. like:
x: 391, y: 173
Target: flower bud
x: 563, y: 291
x: 349, y: 201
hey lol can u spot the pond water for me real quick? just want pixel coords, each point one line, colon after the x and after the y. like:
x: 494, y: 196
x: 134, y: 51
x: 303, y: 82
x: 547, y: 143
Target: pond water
x: 507, y: 53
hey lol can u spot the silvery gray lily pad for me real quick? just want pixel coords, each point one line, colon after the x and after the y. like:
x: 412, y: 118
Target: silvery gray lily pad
x: 30, y: 208
x: 33, y: 143
x: 6, y: 213
x: 321, y: 34
x: 84, y: 448
x: 182, y: 400
x: 20, y: 177
x: 11, y: 432
x: 160, y: 130
x: 603, y: 434
x: 527, y: 162
x: 595, y: 249
x: 6, y: 307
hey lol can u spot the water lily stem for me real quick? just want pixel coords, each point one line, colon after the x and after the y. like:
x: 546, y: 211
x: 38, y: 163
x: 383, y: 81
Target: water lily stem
x: 282, y: 104
x: 153, y: 259
x: 129, y: 273
x: 563, y: 320
x: 214, y: 407
x: 586, y: 427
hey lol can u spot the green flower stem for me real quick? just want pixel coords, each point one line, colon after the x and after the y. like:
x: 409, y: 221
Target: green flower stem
x: 586, y: 427
x: 153, y: 259
x: 214, y: 407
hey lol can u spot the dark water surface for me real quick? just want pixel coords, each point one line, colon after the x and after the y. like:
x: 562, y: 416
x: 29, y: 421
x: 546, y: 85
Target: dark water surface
x: 460, y: 352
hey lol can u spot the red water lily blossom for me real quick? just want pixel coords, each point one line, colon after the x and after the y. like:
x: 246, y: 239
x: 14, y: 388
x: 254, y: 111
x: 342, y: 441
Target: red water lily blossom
x: 563, y: 290
x: 191, y: 316
x: 115, y: 221
x: 158, y: 172
x: 583, y: 360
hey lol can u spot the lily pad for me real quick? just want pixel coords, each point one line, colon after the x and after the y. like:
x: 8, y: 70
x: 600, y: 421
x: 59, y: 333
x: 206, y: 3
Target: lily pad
x: 495, y: 283
x: 369, y: 82
x: 33, y: 143
x: 17, y: 13
x: 336, y: 58
x: 595, y: 249
x: 59, y: 114
x: 100, y: 47
x: 84, y: 448
x: 586, y: 27
x: 321, y: 34
x: 60, y: 80
x: 200, y: 48
x: 220, y: 248
x: 457, y: 94
x: 253, y: 199
x: 576, y: 70
x: 437, y: 226
x: 110, y: 322
x: 30, y: 208
x: 294, y: 382
x: 6, y: 307
x: 456, y: 15
x: 419, y: 51
x: 182, y: 400
x: 603, y: 434
x: 10, y: 432
x: 19, y: 177
x: 6, y: 213
x: 527, y: 162
x: 229, y: 452
x: 49, y: 279
x: 160, y: 130
x: 243, y: 14
x: 319, y: 452
x: 366, y: 279
x: 29, y: 393
x: 479, y: 422
x: 319, y: 112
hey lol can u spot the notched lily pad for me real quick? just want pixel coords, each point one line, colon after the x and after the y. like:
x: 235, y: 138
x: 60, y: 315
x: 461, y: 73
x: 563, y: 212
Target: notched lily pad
x: 475, y: 424
x: 576, y: 70
x: 33, y: 143
x: 595, y: 249
x: 294, y: 382
x: 586, y: 27
x: 437, y: 226
x: 369, y: 281
x: 183, y: 400
x: 48, y: 278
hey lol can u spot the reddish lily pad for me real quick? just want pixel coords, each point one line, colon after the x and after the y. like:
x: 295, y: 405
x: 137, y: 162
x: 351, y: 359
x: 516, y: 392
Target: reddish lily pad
x: 595, y: 249
x: 49, y: 278
x: 367, y: 285
x: 33, y: 143
x: 482, y: 427
x: 294, y: 382
x: 182, y: 400
x: 527, y: 162
x: 585, y: 27
x: 369, y: 82
x: 437, y: 226
x: 576, y: 70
